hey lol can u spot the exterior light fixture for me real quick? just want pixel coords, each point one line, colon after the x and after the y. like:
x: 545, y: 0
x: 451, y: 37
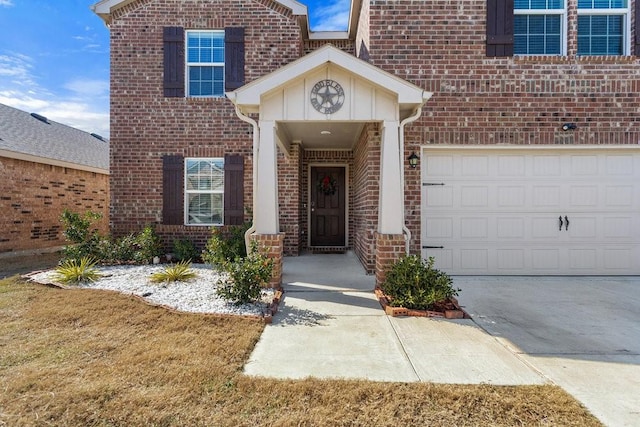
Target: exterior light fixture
x: 413, y: 160
x: 569, y: 126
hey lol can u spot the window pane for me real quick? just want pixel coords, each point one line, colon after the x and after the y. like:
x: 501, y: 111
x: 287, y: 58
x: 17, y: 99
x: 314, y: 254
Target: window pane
x: 204, y: 209
x: 602, y: 4
x: 537, y: 35
x: 206, y: 81
x: 538, y: 4
x: 600, y: 35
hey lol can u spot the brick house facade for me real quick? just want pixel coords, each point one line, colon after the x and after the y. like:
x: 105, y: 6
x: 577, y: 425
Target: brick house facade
x: 561, y: 113
x: 47, y: 167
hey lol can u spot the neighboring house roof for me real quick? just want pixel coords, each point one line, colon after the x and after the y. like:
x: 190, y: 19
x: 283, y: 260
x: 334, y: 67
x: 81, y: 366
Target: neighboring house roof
x: 25, y: 136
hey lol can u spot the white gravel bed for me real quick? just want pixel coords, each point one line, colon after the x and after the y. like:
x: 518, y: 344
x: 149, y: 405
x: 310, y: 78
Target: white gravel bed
x: 197, y: 295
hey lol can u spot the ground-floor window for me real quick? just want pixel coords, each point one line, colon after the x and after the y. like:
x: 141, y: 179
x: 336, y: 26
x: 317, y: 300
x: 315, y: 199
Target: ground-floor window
x: 204, y: 191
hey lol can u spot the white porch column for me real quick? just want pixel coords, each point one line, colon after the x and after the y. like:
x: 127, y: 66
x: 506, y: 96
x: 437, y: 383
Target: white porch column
x: 390, y: 219
x: 265, y: 213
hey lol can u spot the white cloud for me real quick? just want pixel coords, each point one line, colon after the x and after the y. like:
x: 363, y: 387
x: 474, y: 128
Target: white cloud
x: 88, y: 87
x: 6, y: 3
x: 334, y: 16
x: 81, y: 102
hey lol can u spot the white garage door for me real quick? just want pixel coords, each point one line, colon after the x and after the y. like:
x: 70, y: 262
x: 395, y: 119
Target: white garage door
x: 535, y: 211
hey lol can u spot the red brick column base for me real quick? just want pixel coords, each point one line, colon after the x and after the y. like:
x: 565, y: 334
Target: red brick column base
x: 389, y: 247
x: 273, y: 245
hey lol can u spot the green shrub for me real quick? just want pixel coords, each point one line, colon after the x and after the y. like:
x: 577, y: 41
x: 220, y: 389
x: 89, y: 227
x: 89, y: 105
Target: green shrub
x: 246, y: 277
x: 225, y: 245
x: 147, y: 245
x: 77, y: 271
x: 78, y: 231
x: 184, y: 249
x: 413, y: 283
x: 180, y: 272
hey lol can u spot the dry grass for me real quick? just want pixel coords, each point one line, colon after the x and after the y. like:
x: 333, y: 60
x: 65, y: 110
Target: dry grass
x: 93, y: 358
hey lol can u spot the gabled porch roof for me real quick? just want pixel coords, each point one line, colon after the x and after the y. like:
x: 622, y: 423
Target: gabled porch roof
x: 407, y: 95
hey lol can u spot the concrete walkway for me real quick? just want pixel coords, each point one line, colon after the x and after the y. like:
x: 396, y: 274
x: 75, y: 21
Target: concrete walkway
x: 581, y: 333
x: 330, y: 325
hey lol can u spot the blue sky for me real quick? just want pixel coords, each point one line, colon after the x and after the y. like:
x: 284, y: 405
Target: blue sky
x: 54, y: 57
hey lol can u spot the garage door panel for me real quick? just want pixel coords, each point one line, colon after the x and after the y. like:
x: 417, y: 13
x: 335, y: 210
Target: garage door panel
x: 582, y: 165
x: 510, y: 260
x: 475, y: 166
x: 545, y: 166
x: 498, y: 212
x: 545, y: 196
x: 545, y: 260
x: 439, y: 165
x: 510, y: 228
x: 511, y: 166
x: 474, y: 196
x: 619, y: 195
x: 438, y: 196
x: 474, y: 228
x: 511, y: 196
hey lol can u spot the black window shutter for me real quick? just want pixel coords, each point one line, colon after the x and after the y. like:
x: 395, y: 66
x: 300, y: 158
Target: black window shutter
x: 637, y: 28
x: 233, y: 189
x: 233, y: 58
x: 499, y: 27
x: 173, y: 190
x: 173, y: 42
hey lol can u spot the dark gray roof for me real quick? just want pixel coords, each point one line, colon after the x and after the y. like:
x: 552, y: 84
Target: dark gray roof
x: 22, y: 133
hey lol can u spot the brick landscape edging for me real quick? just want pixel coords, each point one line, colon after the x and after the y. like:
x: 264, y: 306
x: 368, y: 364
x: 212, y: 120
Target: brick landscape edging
x: 392, y: 311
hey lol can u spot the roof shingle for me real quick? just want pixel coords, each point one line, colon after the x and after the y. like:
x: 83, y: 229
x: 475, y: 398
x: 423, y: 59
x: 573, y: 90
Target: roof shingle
x: 23, y: 133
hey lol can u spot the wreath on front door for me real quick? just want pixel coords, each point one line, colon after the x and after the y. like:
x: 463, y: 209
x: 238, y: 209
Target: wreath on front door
x: 328, y: 185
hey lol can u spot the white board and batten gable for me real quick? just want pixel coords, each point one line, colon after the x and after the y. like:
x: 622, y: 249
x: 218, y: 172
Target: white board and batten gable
x: 370, y: 94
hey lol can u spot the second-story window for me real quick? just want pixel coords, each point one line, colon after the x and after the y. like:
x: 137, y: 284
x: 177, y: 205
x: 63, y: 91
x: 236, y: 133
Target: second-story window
x: 602, y: 27
x: 538, y: 27
x: 205, y: 63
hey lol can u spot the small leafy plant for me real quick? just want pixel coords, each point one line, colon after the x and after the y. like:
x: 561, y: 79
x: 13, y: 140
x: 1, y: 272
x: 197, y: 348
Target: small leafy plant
x: 413, y: 283
x: 79, y: 232
x: 184, y: 249
x: 225, y: 245
x: 75, y: 271
x: 246, y: 277
x: 180, y: 272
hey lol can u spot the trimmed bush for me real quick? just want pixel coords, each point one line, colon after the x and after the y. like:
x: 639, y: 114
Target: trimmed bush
x: 185, y: 249
x: 245, y: 277
x: 413, y: 283
x: 225, y: 245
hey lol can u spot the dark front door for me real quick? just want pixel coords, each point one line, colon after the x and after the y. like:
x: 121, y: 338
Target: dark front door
x: 328, y: 195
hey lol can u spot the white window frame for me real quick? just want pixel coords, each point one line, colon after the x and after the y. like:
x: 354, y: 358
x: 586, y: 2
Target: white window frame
x: 626, y: 31
x: 201, y: 64
x: 563, y: 26
x: 188, y: 192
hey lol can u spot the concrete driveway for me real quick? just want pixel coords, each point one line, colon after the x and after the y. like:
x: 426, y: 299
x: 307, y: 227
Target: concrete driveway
x: 582, y: 333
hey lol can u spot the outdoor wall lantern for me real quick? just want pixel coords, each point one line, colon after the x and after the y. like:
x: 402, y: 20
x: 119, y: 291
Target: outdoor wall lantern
x: 413, y: 160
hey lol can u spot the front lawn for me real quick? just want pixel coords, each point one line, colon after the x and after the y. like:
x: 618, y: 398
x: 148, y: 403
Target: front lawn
x: 98, y: 358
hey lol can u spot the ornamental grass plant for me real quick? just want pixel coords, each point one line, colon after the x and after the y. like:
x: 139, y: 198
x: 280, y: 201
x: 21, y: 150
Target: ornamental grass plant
x: 179, y: 272
x: 74, y: 271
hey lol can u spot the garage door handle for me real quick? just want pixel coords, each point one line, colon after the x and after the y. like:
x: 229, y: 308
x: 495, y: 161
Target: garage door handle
x: 566, y: 223
x: 433, y: 247
x: 560, y: 219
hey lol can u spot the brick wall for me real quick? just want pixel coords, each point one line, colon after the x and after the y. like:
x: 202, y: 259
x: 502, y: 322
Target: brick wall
x: 145, y: 125
x: 440, y: 46
x: 290, y: 199
x: 365, y: 189
x: 34, y: 195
